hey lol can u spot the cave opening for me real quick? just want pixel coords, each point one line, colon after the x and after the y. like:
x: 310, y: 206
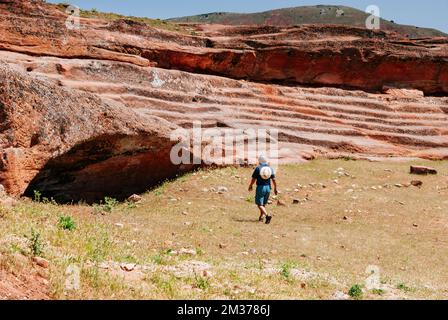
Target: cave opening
x: 107, y: 166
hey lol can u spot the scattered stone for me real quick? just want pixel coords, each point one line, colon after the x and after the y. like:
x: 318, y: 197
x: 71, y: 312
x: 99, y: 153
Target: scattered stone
x: 189, y: 252
x: 270, y: 202
x: 222, y: 246
x: 135, y: 198
x: 185, y: 213
x: 346, y: 218
x: 417, y: 183
x: 205, y: 190
x: 296, y: 201
x: 188, y: 223
x: 415, y: 225
x: 119, y: 225
x: 128, y: 267
x: 222, y: 190
x: 399, y: 185
x: 422, y: 170
x: 207, y: 274
x: 41, y: 262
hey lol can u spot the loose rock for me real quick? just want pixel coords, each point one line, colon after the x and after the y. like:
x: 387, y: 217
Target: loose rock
x: 422, y: 170
x: 128, y: 267
x: 41, y: 262
x: 417, y: 183
x: 222, y: 190
x: 135, y: 198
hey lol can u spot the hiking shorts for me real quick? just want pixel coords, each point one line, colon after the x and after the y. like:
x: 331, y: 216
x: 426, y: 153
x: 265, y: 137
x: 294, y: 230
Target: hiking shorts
x: 262, y: 195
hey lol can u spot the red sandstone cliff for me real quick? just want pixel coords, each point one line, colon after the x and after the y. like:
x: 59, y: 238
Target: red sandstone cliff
x: 87, y: 113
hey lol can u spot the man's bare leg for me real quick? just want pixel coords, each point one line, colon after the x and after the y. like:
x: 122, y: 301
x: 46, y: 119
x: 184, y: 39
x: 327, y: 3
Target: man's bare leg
x: 263, y: 212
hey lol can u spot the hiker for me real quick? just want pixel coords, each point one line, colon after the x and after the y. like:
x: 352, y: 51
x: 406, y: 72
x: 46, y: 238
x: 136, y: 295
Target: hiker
x: 263, y: 175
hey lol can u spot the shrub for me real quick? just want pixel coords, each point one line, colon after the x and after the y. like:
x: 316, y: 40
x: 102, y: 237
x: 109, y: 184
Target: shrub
x: 67, y: 223
x: 355, y: 292
x: 36, y: 245
x: 285, y: 270
x: 201, y: 282
x: 37, y: 196
x: 379, y: 292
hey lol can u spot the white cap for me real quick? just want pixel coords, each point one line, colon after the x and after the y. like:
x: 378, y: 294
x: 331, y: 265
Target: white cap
x: 262, y: 159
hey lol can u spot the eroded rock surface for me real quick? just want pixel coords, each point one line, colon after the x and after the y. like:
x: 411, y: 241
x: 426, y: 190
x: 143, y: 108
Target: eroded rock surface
x: 72, y: 145
x: 87, y: 113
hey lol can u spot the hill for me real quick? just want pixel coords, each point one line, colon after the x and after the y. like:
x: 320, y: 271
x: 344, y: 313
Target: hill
x: 321, y: 14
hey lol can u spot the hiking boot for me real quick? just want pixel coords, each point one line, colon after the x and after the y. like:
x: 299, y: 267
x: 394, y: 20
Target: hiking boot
x: 261, y: 219
x: 268, y: 219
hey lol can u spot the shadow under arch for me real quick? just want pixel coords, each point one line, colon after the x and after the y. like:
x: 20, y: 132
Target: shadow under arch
x: 107, y: 166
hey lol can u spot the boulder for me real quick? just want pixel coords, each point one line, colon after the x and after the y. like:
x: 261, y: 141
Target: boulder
x: 417, y: 183
x: 135, y: 198
x: 422, y: 170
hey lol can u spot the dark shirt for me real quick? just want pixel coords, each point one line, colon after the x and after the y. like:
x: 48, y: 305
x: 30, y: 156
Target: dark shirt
x: 260, y: 180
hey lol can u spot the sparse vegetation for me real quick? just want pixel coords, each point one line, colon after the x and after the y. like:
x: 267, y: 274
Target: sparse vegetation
x: 35, y: 243
x: 37, y: 196
x: 201, y: 282
x: 67, y: 223
x: 285, y: 270
x: 378, y: 292
x: 308, y: 252
x: 404, y: 287
x: 155, y: 23
x: 109, y: 204
x: 356, y: 292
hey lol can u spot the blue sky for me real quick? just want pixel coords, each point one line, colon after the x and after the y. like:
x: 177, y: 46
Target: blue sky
x: 428, y: 13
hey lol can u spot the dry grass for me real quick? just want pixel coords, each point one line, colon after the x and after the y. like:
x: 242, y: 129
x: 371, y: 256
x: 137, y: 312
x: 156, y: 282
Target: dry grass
x: 155, y: 23
x: 310, y: 251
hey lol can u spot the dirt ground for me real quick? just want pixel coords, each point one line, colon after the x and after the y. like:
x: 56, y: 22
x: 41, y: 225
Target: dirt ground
x: 354, y: 223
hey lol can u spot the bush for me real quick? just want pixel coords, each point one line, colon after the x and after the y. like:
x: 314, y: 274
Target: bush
x: 201, y: 283
x: 36, y: 245
x: 109, y: 204
x: 355, y: 292
x: 67, y: 223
